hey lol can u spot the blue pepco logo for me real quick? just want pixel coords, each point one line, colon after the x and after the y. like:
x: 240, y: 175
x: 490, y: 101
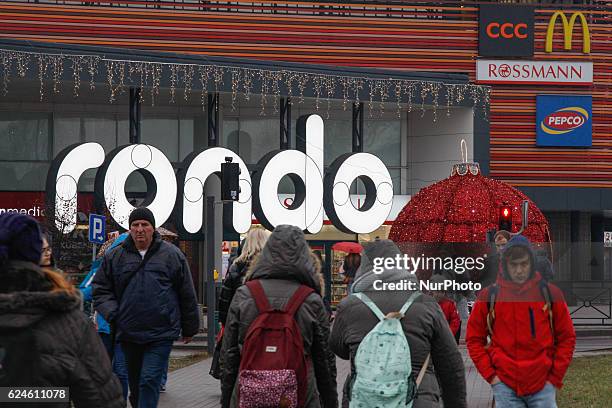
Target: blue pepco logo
x: 564, y: 120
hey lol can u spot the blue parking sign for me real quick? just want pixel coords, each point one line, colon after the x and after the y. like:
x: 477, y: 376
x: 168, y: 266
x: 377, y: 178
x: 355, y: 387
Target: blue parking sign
x: 97, y: 228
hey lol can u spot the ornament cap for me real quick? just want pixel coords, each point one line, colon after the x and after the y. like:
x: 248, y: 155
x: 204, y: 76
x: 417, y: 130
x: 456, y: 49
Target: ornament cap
x: 464, y: 168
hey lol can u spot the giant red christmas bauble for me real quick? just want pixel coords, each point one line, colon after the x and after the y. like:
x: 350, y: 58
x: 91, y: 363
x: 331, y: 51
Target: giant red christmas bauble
x: 462, y: 208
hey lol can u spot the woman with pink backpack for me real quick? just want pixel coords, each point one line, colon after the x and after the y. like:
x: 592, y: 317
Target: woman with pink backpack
x: 275, y: 348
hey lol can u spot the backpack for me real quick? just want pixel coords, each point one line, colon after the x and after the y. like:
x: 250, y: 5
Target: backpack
x: 273, y: 370
x: 383, y: 367
x: 493, y: 292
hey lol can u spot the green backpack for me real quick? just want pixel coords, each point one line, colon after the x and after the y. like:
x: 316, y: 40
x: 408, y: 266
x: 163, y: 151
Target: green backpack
x: 383, y: 368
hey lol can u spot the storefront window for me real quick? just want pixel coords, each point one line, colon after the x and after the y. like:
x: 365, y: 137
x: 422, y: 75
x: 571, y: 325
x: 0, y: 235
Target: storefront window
x: 102, y: 130
x: 66, y: 131
x: 24, y: 136
x: 23, y: 176
x: 338, y: 139
x: 186, y: 136
x: 24, y: 151
x: 162, y: 133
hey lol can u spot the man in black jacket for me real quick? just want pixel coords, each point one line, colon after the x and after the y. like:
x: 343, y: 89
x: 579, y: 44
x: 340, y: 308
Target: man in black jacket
x: 145, y: 290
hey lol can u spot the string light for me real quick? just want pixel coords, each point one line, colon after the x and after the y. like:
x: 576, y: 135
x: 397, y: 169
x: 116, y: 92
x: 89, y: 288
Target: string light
x: 273, y: 82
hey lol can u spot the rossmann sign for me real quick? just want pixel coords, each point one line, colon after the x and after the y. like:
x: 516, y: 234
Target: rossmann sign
x: 319, y: 191
x: 564, y: 120
x: 534, y: 72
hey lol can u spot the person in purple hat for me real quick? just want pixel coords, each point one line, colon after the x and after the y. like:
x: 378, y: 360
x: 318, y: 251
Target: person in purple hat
x: 45, y: 338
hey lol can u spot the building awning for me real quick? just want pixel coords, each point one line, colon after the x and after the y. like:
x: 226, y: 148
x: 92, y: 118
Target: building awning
x: 121, y: 68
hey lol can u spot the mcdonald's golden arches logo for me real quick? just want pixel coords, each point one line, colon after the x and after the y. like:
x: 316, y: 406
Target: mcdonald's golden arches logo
x: 568, y: 31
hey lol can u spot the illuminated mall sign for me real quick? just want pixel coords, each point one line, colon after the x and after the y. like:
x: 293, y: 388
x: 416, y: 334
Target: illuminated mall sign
x: 534, y: 72
x: 317, y: 191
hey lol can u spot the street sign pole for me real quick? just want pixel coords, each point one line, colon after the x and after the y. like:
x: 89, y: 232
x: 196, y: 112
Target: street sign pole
x: 97, y: 232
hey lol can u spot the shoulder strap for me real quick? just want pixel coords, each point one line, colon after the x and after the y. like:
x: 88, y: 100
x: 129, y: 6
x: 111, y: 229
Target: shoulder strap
x: 362, y: 296
x: 545, y: 290
x: 422, y: 371
x: 297, y: 299
x: 261, y: 300
x: 492, y: 297
x: 409, y: 302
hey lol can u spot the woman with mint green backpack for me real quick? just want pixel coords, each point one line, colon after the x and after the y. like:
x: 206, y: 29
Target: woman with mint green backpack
x: 394, y: 340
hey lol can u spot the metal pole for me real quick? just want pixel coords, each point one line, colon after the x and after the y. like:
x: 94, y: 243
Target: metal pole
x: 210, y: 277
x: 93, y: 253
x: 135, y: 115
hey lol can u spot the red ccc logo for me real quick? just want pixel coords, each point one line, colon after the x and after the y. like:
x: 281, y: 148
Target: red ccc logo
x: 507, y: 30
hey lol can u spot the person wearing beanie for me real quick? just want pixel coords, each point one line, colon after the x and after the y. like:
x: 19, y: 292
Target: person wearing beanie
x: 145, y: 291
x: 531, y: 331
x: 37, y: 307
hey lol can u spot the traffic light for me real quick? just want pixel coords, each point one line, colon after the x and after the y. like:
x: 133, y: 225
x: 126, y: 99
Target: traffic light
x: 230, y: 189
x: 505, y: 218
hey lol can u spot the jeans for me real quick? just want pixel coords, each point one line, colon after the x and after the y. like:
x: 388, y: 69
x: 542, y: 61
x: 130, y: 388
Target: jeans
x: 118, y: 358
x: 165, y: 376
x: 146, y: 365
x: 505, y: 397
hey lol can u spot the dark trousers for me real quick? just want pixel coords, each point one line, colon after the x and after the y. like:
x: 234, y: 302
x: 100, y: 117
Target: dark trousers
x: 146, y: 365
x: 458, y: 334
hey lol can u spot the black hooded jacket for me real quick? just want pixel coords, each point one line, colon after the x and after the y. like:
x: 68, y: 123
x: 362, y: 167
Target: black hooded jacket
x: 64, y: 349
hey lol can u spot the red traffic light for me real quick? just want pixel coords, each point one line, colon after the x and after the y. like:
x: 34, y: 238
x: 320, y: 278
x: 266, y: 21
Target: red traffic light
x: 505, y: 218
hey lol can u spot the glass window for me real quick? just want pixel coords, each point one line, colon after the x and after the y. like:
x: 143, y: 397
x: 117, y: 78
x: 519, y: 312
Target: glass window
x: 382, y: 138
x: 257, y: 137
x: 123, y: 131
x: 24, y: 136
x: 231, y: 132
x: 252, y: 138
x: 23, y: 176
x: 338, y: 139
x: 186, y: 136
x: 163, y: 134
x: 102, y: 130
x: 66, y: 131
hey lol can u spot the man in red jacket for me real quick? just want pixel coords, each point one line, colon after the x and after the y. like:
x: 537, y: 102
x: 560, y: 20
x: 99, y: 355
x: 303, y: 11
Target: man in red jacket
x: 532, y: 337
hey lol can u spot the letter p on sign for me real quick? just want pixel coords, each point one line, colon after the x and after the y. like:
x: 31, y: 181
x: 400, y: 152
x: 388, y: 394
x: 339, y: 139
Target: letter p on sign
x: 97, y: 228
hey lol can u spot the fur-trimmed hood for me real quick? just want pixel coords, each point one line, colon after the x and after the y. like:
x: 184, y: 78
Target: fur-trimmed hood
x: 26, y: 296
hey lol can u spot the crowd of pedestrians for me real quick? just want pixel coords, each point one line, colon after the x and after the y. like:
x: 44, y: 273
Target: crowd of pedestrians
x: 279, y: 343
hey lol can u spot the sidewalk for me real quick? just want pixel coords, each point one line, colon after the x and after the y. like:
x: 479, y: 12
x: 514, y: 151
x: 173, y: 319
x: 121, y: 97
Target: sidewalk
x: 193, y: 387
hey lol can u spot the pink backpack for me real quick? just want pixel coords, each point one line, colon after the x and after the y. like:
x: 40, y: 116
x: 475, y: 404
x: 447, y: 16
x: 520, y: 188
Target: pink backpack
x: 273, y: 369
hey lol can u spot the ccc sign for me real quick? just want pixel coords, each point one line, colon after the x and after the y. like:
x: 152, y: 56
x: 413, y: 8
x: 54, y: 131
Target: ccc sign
x: 568, y: 31
x: 507, y: 30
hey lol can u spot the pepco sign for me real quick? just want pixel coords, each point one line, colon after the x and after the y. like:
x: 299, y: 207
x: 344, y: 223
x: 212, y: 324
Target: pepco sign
x: 505, y: 31
x: 564, y: 120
